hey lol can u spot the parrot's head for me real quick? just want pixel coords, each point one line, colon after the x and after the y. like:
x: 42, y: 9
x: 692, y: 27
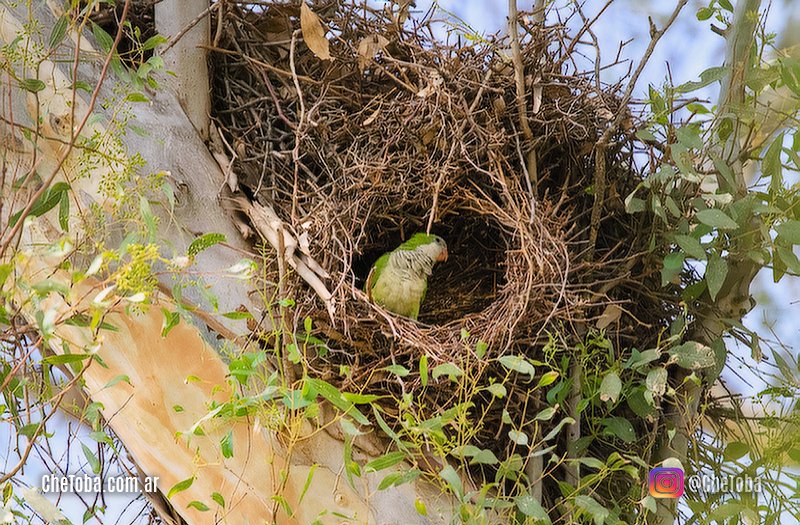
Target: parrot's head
x: 432, y: 245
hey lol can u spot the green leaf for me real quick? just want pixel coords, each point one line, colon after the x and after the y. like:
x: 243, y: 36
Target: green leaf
x: 520, y: 438
x: 349, y: 428
x: 716, y: 219
x: 398, y: 370
x: 153, y: 42
x: 386, y: 461
x: 673, y: 266
x: 548, y: 379
x: 611, y: 387
x: 237, y: 316
x: 450, y: 370
x: 619, y: 427
x: 691, y: 247
x: 180, y: 487
x: 58, y: 32
x: 593, y: 508
x: 171, y: 320
x: 484, y: 457
x: 34, y: 85
x: 693, y: 355
x: 136, y: 97
x: 704, y: 13
x: 63, y: 211
x: 449, y: 474
x: 528, y: 505
x: 716, y: 271
x: 423, y: 370
x: 771, y: 165
x: 497, y: 390
x: 218, y: 499
x: 689, y: 136
x: 656, y: 381
x: 94, y: 463
x: 199, y: 505
x: 46, y: 202
x: 554, y: 432
x: 735, y: 450
x: 517, y: 363
x: 789, y: 231
x: 104, y: 40
x: 360, y: 399
x: 332, y: 394
x: 226, y: 444
x: 204, y: 242
x: 789, y: 259
x: 546, y: 414
x: 65, y: 359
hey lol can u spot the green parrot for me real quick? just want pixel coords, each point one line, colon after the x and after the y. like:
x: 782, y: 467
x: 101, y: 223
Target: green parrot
x: 399, y: 279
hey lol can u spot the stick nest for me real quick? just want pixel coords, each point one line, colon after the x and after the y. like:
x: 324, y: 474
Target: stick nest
x: 401, y: 130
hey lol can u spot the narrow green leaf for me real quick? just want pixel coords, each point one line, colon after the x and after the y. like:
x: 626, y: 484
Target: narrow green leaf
x: 46, y: 202
x: 226, y: 444
x: 180, y: 487
x: 449, y: 474
x: 771, y: 165
x: 218, y: 499
x: 58, y: 32
x: 34, y: 85
x: 398, y: 370
x: 63, y: 211
x: 104, y: 40
x: 65, y: 359
x: 423, y: 370
x: 199, y: 505
x: 204, y: 242
x: 153, y: 42
x: 386, y: 461
x: 716, y: 271
x: 94, y: 463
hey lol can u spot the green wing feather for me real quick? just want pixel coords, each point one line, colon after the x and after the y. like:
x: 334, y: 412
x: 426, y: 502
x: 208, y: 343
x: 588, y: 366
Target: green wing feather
x: 375, y: 272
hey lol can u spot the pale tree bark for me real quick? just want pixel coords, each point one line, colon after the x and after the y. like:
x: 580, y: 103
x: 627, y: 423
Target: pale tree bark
x: 188, y: 25
x: 141, y: 412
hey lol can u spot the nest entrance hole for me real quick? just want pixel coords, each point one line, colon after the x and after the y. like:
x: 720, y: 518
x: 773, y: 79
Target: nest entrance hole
x: 471, y: 278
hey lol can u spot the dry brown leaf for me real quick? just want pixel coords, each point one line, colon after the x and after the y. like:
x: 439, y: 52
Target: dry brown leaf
x: 368, y: 47
x: 611, y: 314
x: 314, y: 33
x: 372, y: 117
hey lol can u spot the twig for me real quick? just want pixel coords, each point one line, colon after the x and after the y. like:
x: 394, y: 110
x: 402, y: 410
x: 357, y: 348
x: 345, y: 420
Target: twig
x: 519, y: 70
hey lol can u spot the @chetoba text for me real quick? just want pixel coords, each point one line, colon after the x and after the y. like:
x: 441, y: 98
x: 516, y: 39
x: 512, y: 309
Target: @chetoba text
x: 666, y: 482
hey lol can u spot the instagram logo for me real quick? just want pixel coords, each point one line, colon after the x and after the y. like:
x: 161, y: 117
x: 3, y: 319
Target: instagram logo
x: 666, y: 483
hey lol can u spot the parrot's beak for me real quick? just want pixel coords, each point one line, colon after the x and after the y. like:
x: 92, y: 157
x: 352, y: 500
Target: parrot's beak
x: 442, y: 256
